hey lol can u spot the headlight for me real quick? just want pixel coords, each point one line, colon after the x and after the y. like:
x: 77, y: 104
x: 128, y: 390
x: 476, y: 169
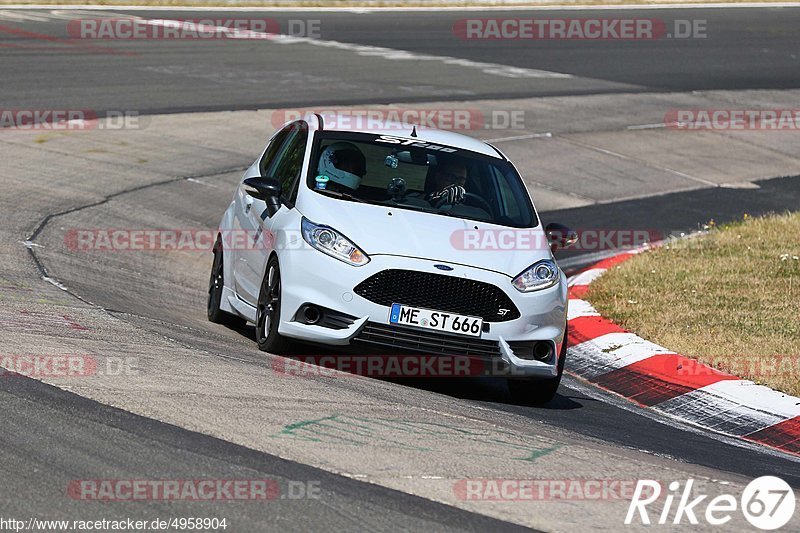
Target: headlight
x: 329, y: 241
x: 541, y: 275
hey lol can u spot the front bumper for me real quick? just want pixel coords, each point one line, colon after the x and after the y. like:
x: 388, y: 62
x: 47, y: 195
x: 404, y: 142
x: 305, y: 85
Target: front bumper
x: 311, y: 277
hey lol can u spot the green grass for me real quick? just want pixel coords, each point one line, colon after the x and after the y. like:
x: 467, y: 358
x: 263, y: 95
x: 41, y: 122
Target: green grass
x: 730, y: 298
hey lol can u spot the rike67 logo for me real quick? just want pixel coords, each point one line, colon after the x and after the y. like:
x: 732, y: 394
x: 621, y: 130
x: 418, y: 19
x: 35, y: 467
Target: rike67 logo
x: 767, y: 503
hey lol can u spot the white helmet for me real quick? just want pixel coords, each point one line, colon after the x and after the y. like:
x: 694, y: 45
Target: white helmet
x: 341, y: 154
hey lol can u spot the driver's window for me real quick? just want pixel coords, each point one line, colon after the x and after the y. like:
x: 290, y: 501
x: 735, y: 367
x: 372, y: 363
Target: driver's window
x: 509, y: 206
x: 287, y: 166
x: 272, y: 151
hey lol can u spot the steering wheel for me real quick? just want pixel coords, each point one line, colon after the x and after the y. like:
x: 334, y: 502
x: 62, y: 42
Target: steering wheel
x: 477, y: 201
x: 469, y: 199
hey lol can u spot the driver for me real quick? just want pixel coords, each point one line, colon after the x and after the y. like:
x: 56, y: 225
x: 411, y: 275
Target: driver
x: 449, y: 183
x: 344, y: 164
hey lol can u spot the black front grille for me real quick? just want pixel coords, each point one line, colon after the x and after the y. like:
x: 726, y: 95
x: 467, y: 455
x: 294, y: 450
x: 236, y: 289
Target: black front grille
x: 438, y: 292
x: 425, y: 342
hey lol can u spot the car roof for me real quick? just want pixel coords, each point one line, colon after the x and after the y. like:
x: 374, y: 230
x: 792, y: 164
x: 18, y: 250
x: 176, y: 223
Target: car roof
x: 403, y: 130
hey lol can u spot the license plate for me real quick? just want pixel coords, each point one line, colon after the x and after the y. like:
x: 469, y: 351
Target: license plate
x: 436, y: 320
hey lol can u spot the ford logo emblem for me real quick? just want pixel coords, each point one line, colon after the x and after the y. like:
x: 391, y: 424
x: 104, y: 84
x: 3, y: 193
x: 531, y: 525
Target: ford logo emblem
x: 443, y: 267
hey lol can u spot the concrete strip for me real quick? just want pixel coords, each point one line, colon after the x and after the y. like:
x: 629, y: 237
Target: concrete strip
x: 709, y: 158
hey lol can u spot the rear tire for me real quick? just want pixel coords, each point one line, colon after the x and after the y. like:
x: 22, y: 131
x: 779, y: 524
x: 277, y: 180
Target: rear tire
x: 538, y: 391
x: 268, y: 312
x: 215, y: 286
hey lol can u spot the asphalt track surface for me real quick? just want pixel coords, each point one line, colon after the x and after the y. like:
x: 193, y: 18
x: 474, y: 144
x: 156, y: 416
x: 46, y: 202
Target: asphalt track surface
x: 52, y: 434
x: 743, y: 49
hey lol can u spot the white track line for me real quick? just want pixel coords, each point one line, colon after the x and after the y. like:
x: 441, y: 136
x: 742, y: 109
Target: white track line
x: 667, y: 419
x: 587, y: 276
x: 494, y: 69
x: 640, y: 161
x: 526, y: 136
x: 579, y: 308
x: 612, y: 351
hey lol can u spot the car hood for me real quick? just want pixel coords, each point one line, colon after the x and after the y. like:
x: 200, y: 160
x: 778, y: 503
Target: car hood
x: 383, y: 230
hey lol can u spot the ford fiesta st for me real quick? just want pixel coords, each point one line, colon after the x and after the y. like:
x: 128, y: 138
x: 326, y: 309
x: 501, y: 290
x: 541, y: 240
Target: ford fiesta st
x: 368, y: 238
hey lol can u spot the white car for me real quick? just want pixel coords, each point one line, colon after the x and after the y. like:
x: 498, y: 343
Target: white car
x: 367, y: 238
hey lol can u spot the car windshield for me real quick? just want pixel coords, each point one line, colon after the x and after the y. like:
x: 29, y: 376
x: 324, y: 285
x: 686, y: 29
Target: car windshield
x: 416, y: 175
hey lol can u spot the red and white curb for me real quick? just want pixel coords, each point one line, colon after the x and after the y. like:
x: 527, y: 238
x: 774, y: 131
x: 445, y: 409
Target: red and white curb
x: 616, y: 360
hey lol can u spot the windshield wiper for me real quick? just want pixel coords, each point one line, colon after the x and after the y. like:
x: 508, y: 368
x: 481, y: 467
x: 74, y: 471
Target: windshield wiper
x: 342, y: 195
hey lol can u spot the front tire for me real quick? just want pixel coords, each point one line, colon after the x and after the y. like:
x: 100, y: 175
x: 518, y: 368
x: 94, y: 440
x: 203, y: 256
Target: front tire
x: 215, y: 286
x: 268, y: 311
x: 538, y: 391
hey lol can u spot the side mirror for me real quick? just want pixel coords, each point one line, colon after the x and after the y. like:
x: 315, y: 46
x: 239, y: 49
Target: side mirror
x: 267, y: 189
x: 560, y: 236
